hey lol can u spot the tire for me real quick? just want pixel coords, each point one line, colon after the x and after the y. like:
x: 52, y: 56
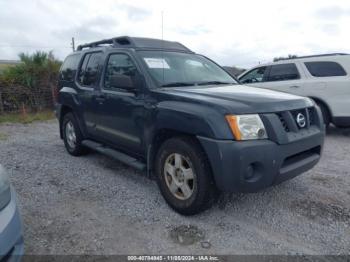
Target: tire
x: 72, y: 135
x: 325, y: 113
x: 174, y: 162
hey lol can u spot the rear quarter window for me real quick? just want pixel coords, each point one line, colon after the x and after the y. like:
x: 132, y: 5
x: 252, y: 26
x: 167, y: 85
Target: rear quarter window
x: 89, y: 70
x: 69, y: 68
x: 325, y: 68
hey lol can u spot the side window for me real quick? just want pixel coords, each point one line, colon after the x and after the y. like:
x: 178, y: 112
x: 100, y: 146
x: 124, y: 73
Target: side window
x: 69, y: 68
x: 82, y: 68
x: 324, y: 69
x: 283, y: 72
x: 88, y: 72
x: 120, y: 71
x: 254, y: 76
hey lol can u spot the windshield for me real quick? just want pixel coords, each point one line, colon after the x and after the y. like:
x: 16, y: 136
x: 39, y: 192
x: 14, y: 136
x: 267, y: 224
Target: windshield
x: 182, y: 69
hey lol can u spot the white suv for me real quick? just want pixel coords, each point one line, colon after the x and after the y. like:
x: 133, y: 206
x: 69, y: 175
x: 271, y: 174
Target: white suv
x: 324, y: 78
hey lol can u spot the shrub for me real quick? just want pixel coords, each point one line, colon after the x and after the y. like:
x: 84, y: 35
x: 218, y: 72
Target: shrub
x: 29, y: 84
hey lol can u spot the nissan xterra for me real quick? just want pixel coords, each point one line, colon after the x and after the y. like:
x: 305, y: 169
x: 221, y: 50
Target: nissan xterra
x: 159, y: 107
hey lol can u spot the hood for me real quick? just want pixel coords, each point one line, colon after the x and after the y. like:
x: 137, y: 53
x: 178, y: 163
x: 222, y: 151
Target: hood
x: 240, y: 98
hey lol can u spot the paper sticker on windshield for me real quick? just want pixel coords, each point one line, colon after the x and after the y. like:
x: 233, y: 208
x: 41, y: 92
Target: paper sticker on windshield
x: 156, y: 63
x: 194, y: 63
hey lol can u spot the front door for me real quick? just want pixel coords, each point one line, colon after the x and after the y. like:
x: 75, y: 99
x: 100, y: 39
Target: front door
x: 286, y: 77
x: 121, y: 110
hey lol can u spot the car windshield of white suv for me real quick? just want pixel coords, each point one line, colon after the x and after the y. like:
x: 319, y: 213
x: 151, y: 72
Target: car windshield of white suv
x: 171, y: 69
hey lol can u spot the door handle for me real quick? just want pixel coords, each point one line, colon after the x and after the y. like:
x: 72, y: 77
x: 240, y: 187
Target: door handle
x: 100, y: 98
x: 294, y: 86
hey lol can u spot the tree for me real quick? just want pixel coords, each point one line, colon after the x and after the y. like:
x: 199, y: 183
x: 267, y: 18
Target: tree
x: 284, y: 58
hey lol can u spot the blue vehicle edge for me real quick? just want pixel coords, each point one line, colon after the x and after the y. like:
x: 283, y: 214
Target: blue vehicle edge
x: 11, y: 236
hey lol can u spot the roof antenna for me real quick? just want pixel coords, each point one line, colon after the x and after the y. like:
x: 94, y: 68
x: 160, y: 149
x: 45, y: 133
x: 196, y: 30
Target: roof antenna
x: 162, y: 24
x: 163, y: 43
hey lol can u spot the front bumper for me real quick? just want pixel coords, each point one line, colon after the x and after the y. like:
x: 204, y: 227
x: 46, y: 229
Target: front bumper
x: 11, y: 237
x: 249, y: 166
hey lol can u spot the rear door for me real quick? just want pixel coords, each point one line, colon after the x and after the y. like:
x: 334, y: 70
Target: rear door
x: 87, y: 81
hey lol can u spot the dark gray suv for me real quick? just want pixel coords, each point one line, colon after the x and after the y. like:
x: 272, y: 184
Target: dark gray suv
x: 159, y: 107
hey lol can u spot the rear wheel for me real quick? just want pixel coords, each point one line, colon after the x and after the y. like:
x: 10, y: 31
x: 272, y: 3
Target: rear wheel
x: 72, y: 136
x: 184, y: 176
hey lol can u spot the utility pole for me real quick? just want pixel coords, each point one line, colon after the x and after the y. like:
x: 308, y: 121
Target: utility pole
x: 1, y: 105
x: 73, y: 44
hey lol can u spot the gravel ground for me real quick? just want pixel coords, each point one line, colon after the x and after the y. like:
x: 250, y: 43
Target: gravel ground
x: 95, y: 205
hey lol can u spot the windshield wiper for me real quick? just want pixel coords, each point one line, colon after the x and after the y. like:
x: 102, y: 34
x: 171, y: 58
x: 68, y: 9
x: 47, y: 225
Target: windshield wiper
x: 173, y: 84
x: 214, y: 83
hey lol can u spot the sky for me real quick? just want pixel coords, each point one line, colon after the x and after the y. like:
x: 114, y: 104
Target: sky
x: 233, y: 33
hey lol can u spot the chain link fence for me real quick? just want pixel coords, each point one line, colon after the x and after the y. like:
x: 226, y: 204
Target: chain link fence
x: 19, y: 99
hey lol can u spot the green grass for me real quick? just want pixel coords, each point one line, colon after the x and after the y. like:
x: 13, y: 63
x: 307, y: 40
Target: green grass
x: 3, y: 136
x: 4, y: 67
x: 27, y: 118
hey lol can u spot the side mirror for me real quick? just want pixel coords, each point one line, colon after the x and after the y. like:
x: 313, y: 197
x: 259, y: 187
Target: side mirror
x: 121, y: 81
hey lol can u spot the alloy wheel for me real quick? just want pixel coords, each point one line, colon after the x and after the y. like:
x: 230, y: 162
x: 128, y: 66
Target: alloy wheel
x: 70, y: 135
x: 179, y: 176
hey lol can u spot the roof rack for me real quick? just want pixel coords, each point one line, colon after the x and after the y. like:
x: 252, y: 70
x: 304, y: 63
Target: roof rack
x: 311, y: 56
x: 136, y: 42
x: 112, y: 42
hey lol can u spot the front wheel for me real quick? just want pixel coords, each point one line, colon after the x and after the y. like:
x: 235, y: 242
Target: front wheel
x: 184, y: 176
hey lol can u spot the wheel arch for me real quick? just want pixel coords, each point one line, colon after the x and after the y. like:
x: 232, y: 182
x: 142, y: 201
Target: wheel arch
x: 175, y: 118
x: 326, y: 105
x: 63, y: 111
x: 160, y: 136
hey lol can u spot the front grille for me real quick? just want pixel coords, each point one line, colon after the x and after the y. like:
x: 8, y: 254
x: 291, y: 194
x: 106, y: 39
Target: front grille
x: 295, y: 120
x: 283, y: 122
x: 312, y: 118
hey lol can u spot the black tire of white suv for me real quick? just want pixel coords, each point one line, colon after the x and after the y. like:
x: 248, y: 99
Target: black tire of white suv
x: 325, y: 113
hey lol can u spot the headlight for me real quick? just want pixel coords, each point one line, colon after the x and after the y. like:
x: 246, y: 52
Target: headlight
x: 246, y: 127
x: 5, y: 192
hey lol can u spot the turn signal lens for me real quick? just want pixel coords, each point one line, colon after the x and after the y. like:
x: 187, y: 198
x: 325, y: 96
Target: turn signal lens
x: 232, y: 121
